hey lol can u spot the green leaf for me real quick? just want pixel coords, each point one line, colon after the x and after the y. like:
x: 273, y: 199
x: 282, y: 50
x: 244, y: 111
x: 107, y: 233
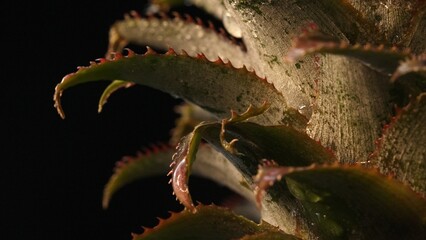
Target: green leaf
x: 153, y: 162
x: 114, y: 86
x: 401, y: 149
x: 284, y: 144
x: 215, y: 86
x: 182, y: 162
x: 245, y: 144
x: 190, y: 116
x: 210, y: 222
x: 157, y: 161
x: 180, y: 33
x: 378, y: 58
x: 349, y: 202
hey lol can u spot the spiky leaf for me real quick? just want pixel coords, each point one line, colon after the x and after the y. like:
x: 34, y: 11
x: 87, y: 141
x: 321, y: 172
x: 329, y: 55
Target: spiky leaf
x: 156, y: 161
x: 178, y: 32
x: 215, y: 86
x: 378, y: 58
x: 347, y: 202
x: 401, y: 150
x: 150, y: 163
x: 210, y: 222
x: 245, y: 144
x: 114, y: 86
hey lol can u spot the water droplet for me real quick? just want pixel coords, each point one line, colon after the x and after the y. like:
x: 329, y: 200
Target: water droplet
x: 231, y: 26
x: 385, y: 4
x: 254, y: 34
x: 304, y: 110
x: 200, y: 34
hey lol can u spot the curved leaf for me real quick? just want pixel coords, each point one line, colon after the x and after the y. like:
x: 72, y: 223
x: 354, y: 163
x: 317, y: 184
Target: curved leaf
x: 210, y: 164
x: 190, y: 116
x: 349, y: 202
x: 409, y: 80
x: 248, y: 144
x: 151, y: 163
x: 183, y: 159
x: 215, y: 86
x: 378, y: 58
x: 401, y: 149
x: 415, y: 64
x: 178, y: 33
x: 210, y: 222
x: 114, y: 86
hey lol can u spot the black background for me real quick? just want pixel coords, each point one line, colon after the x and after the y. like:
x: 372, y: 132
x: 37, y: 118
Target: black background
x: 53, y: 170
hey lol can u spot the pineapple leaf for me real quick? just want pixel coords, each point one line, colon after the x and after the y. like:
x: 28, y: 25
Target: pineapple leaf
x: 284, y: 144
x: 114, y: 86
x: 401, y: 149
x: 156, y: 161
x: 183, y: 159
x: 153, y: 162
x: 214, y: 86
x: 415, y: 64
x: 378, y: 58
x: 249, y: 144
x: 180, y: 33
x: 190, y: 116
x: 409, y: 79
x: 210, y: 222
x: 345, y: 202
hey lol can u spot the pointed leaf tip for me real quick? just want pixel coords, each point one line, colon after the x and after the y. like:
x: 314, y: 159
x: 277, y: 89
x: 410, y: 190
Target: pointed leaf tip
x: 183, y: 159
x: 152, y: 162
x: 180, y: 181
x: 113, y: 87
x: 179, y: 75
x: 57, y: 102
